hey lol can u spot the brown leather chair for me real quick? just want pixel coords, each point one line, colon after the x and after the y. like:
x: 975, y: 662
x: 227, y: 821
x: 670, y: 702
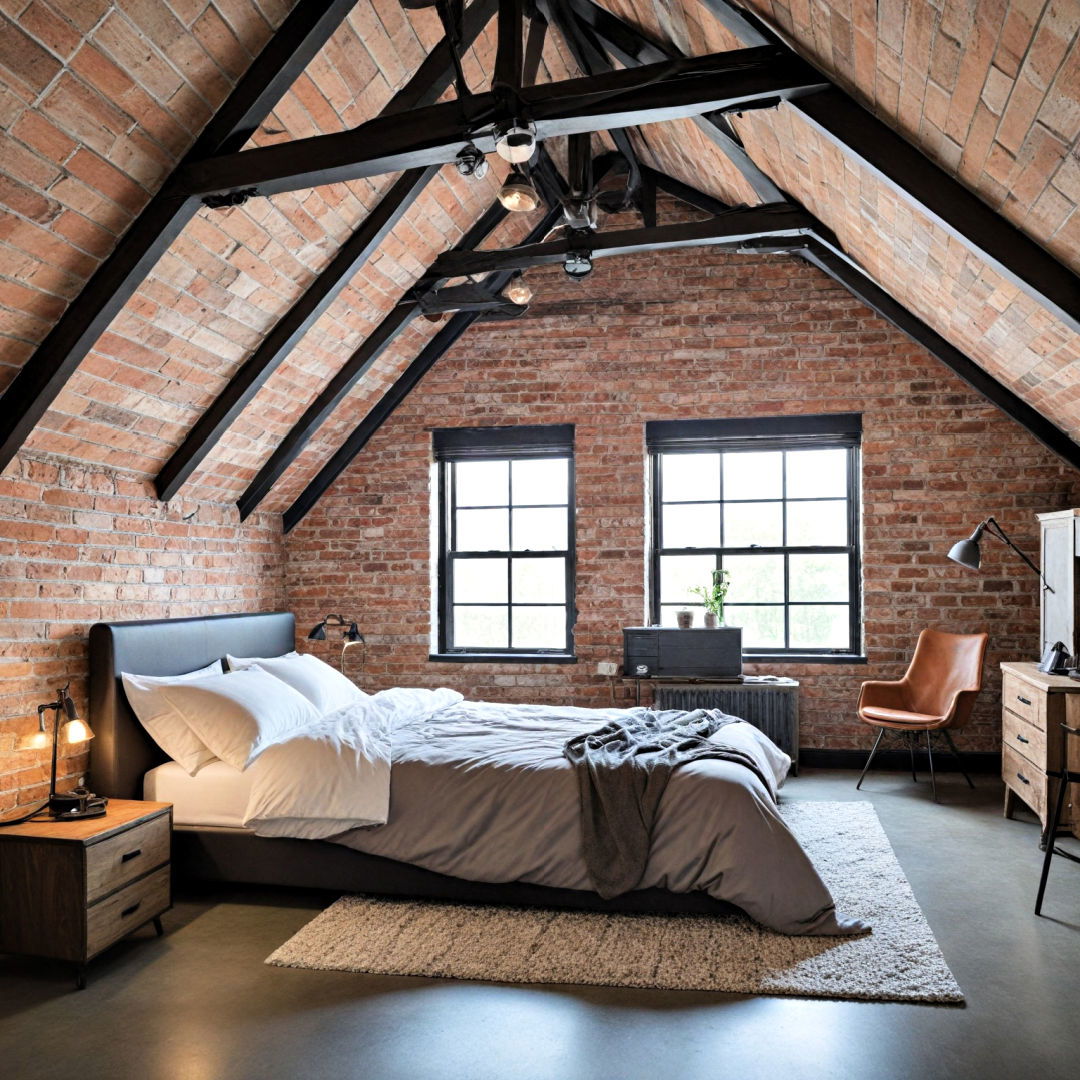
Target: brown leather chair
x: 936, y: 694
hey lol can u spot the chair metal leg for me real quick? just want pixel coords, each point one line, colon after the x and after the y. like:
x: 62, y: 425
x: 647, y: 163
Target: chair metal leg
x: 877, y: 743
x: 911, y: 739
x: 956, y: 754
x: 930, y: 759
x: 1051, y: 831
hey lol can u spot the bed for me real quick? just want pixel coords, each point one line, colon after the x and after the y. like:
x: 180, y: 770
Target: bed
x: 210, y: 843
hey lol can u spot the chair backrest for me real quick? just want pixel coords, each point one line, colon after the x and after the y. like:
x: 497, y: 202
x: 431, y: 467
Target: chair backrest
x: 942, y: 665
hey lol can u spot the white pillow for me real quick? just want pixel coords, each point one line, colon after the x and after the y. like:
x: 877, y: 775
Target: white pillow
x: 239, y: 715
x: 328, y: 690
x: 241, y: 663
x: 165, y: 725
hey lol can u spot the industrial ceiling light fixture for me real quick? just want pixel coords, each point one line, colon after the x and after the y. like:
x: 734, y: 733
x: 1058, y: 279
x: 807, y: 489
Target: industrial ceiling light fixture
x: 515, y: 143
x: 471, y: 162
x: 518, y: 192
x: 518, y: 290
x: 578, y: 263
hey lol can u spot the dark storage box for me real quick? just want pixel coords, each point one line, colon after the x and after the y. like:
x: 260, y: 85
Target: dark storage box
x: 663, y: 652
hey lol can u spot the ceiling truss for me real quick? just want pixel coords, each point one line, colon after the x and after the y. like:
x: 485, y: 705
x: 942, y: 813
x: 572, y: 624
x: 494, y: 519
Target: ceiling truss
x: 415, y: 135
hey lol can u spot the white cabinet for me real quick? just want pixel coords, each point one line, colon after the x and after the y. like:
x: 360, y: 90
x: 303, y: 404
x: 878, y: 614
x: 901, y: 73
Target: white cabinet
x: 1060, y: 546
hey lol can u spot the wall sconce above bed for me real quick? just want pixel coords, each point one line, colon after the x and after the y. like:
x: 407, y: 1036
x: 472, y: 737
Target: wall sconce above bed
x: 350, y: 636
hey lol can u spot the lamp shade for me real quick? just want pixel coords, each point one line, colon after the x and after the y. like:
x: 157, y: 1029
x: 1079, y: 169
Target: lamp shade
x: 966, y: 553
x: 353, y: 633
x: 76, y: 730
x: 318, y: 632
x: 36, y: 740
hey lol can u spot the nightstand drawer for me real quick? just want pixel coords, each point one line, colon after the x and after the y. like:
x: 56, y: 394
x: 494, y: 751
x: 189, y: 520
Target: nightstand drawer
x: 126, y: 856
x: 1026, y: 701
x: 111, y: 919
x: 1023, y: 738
x: 1025, y: 779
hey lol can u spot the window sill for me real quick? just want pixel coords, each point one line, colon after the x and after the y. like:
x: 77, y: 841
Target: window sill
x: 805, y: 658
x: 502, y: 658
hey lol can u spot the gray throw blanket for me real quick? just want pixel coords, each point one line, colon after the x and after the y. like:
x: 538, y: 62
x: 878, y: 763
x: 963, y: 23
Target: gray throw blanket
x: 622, y: 771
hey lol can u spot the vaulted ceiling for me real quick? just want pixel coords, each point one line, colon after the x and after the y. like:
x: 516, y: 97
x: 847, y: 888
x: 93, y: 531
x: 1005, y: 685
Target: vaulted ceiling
x: 101, y: 101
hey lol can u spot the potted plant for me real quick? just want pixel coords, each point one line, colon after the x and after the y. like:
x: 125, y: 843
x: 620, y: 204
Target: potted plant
x: 712, y: 597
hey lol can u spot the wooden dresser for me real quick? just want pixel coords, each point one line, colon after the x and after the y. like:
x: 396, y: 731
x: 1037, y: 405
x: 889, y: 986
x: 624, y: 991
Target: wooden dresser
x: 1033, y: 707
x: 70, y: 889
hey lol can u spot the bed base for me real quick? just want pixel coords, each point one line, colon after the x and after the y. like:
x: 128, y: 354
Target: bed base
x: 237, y: 856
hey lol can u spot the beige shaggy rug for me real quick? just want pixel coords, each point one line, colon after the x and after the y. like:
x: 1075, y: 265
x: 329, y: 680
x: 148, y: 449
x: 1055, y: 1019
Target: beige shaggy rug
x: 898, y: 961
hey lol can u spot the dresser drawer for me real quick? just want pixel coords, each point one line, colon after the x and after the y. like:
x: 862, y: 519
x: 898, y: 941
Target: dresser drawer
x: 1023, y: 699
x: 1024, y: 738
x: 110, y: 919
x: 1025, y: 779
x: 122, y: 858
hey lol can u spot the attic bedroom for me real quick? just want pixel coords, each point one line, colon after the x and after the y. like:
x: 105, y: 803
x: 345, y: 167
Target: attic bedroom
x: 539, y: 538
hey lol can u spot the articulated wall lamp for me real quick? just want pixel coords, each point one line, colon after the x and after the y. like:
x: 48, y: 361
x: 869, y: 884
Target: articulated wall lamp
x: 967, y: 552
x: 350, y: 635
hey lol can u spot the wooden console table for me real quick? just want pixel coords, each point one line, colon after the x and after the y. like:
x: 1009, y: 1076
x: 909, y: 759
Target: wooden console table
x: 1033, y: 708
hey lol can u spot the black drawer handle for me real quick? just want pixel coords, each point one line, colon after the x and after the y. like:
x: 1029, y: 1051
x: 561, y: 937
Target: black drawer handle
x: 1021, y: 776
x: 129, y: 855
x: 1021, y: 738
x: 1023, y: 699
x: 138, y: 904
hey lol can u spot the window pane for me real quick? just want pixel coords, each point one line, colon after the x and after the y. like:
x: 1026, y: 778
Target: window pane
x: 753, y: 475
x: 482, y: 483
x: 690, y: 477
x: 539, y: 628
x: 755, y: 579
x: 667, y: 614
x: 539, y: 530
x: 817, y: 524
x: 479, y: 581
x: 689, y: 526
x: 680, y: 573
x: 753, y: 524
x: 480, y: 627
x: 762, y: 627
x: 819, y: 577
x: 543, y: 480
x: 539, y: 581
x: 816, y: 474
x: 483, y: 530
x: 819, y: 627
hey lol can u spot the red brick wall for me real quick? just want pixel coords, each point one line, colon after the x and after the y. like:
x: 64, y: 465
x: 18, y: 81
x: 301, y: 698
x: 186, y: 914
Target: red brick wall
x: 694, y: 334
x: 78, y: 546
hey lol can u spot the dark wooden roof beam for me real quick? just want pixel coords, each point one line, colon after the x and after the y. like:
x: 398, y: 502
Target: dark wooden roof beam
x: 740, y: 80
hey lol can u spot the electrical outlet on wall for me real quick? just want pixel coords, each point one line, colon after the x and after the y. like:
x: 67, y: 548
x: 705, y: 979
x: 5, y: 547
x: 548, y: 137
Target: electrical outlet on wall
x: 607, y: 667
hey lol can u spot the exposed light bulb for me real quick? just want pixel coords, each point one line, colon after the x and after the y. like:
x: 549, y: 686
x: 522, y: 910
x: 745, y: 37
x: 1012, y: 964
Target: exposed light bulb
x: 519, y: 291
x: 516, y: 144
x: 518, y: 193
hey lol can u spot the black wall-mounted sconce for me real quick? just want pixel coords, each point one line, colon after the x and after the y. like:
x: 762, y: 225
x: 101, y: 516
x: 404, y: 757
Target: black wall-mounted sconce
x: 350, y: 635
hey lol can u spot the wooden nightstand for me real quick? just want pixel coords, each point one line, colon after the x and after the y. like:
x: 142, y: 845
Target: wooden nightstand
x: 70, y: 889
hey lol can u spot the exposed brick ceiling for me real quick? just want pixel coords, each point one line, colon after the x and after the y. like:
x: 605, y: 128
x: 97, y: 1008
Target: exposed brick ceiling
x: 99, y: 101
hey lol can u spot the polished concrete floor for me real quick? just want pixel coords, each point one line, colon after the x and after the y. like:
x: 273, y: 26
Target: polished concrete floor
x: 199, y: 1004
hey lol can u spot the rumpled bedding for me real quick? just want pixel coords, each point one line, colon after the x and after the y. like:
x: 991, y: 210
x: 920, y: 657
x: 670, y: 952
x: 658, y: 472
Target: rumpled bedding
x: 482, y: 791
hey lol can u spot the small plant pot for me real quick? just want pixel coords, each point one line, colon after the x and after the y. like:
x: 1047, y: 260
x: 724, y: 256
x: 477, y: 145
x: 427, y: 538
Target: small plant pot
x: 712, y: 621
x: 684, y: 619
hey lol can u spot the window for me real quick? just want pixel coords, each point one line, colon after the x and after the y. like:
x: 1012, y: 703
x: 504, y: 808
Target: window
x: 775, y: 501
x: 506, y: 542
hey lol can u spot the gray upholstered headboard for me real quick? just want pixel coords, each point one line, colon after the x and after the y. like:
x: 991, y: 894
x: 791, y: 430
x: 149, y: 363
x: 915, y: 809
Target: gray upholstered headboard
x: 122, y: 752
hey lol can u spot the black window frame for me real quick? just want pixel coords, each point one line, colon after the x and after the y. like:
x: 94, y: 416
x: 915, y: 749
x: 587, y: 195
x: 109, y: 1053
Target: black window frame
x: 819, y: 432
x: 453, y: 446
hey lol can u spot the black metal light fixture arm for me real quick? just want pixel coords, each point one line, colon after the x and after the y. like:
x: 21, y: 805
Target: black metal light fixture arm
x: 995, y: 529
